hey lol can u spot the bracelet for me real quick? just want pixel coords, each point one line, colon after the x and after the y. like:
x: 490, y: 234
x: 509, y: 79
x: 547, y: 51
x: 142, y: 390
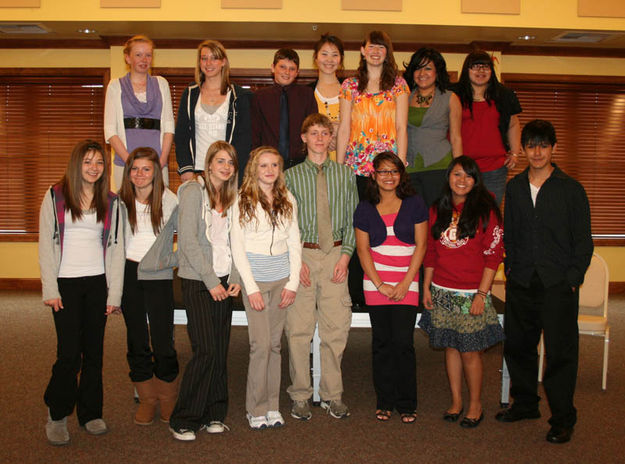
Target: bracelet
x: 481, y: 293
x: 378, y: 286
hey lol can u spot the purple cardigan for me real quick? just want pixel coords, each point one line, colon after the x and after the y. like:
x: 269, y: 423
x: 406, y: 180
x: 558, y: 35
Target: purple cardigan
x: 412, y: 211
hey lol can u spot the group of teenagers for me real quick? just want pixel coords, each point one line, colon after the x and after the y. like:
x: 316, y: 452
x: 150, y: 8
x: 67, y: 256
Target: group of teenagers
x: 382, y: 190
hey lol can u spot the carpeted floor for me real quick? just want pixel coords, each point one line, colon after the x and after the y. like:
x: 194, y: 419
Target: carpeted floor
x: 27, y: 348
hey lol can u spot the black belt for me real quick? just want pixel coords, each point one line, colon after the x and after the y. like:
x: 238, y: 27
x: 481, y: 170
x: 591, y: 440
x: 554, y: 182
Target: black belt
x: 142, y: 123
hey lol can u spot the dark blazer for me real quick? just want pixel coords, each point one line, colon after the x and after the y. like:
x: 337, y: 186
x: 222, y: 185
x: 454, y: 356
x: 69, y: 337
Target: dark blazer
x: 238, y: 128
x: 266, y: 116
x: 552, y: 238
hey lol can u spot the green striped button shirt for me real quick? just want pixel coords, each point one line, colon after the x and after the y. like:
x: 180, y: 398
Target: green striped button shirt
x: 301, y: 180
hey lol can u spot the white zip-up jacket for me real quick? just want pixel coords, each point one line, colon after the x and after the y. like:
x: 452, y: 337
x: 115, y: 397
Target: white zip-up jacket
x: 261, y: 237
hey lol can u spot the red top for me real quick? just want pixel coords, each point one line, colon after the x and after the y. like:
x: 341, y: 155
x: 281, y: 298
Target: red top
x: 460, y: 264
x: 481, y: 139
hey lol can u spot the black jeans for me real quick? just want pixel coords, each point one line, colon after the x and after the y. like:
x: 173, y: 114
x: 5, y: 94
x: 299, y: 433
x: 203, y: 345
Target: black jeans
x: 553, y: 310
x: 154, y: 299
x: 393, y: 355
x: 80, y: 336
x: 428, y: 184
x: 204, y: 389
x: 356, y: 274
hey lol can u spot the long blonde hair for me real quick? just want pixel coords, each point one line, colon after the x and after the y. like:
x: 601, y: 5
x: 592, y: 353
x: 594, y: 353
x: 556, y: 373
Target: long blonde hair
x: 155, y: 200
x: 228, y: 191
x: 251, y: 194
x: 219, y: 52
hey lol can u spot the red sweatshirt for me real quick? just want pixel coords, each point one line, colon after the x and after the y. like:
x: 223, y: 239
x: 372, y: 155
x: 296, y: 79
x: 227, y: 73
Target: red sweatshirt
x: 460, y: 263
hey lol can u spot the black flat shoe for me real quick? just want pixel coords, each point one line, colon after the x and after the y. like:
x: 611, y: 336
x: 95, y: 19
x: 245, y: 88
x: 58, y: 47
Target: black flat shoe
x: 559, y: 434
x: 515, y: 414
x: 471, y: 423
x: 452, y: 416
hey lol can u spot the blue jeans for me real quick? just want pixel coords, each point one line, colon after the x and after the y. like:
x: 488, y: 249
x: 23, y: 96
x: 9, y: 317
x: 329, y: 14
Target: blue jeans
x: 495, y: 182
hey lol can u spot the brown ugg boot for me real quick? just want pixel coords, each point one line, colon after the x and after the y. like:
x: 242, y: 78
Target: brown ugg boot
x: 167, y: 393
x: 147, y: 402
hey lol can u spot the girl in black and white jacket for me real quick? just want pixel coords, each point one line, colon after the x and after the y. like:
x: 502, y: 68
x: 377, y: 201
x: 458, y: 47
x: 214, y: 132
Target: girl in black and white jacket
x: 212, y: 109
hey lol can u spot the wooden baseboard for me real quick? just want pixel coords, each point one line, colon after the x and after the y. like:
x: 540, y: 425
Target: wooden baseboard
x: 616, y: 288
x: 35, y: 285
x: 20, y: 284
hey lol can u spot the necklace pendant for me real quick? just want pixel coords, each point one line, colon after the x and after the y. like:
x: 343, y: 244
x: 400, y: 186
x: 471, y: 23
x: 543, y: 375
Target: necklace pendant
x: 421, y: 99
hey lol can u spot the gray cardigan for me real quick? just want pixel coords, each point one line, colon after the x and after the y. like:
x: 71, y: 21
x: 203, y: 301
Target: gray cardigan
x: 50, y: 251
x: 195, y: 252
x: 160, y: 260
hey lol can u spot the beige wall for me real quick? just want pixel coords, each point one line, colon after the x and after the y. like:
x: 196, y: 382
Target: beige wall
x: 534, y: 13
x: 19, y: 260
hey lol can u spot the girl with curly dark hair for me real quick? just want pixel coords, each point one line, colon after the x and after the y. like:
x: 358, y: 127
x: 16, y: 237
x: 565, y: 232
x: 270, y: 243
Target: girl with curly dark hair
x: 434, y: 121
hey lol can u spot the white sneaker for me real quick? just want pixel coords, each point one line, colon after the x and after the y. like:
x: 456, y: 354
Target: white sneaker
x: 96, y: 427
x: 182, y: 434
x: 216, y: 427
x: 257, y: 422
x: 56, y: 431
x: 274, y: 419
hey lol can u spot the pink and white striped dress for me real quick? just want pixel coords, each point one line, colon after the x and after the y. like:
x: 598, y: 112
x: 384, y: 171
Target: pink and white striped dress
x: 391, y: 259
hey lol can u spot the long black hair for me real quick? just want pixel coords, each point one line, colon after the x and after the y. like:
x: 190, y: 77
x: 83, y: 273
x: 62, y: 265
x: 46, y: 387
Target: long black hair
x: 463, y: 87
x: 477, y: 207
x: 404, y: 189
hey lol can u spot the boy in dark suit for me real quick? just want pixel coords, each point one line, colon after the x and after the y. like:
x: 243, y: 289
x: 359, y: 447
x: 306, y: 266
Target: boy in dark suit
x: 278, y: 111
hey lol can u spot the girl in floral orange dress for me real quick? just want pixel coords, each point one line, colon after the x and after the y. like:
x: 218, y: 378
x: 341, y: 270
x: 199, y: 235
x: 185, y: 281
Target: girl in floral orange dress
x: 374, y: 109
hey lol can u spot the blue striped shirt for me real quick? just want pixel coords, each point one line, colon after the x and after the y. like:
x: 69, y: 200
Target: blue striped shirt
x: 266, y: 268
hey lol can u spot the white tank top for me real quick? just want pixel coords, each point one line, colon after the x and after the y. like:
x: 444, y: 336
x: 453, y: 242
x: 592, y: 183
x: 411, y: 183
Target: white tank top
x: 83, y: 254
x: 209, y: 127
x: 142, y: 240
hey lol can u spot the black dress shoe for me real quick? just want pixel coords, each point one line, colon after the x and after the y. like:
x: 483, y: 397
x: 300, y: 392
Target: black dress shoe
x: 559, y: 434
x: 451, y: 416
x: 515, y: 414
x: 471, y: 423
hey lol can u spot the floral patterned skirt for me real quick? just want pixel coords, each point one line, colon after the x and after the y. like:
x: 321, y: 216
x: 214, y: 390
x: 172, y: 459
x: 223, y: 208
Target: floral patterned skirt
x: 449, y: 324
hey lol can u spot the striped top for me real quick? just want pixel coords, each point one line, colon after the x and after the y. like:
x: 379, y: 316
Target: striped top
x: 301, y: 180
x: 391, y: 259
x: 269, y: 268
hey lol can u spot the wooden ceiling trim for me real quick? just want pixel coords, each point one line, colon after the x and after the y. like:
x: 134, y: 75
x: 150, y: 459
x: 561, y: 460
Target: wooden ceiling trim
x: 504, y: 47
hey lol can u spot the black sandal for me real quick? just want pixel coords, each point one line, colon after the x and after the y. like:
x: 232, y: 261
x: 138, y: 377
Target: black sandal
x: 408, y: 417
x: 469, y: 423
x: 382, y: 415
x: 452, y: 416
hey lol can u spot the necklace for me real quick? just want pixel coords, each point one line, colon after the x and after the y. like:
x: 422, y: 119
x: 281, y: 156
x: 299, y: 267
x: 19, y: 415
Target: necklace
x: 424, y: 99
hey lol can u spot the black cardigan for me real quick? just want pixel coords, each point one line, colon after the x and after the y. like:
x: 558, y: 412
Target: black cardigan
x: 238, y: 128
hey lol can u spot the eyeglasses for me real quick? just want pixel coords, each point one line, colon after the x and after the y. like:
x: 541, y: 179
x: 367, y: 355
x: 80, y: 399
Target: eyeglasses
x: 480, y: 67
x: 394, y: 172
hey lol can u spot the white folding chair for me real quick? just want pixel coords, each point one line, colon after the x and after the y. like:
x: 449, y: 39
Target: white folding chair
x: 593, y: 294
